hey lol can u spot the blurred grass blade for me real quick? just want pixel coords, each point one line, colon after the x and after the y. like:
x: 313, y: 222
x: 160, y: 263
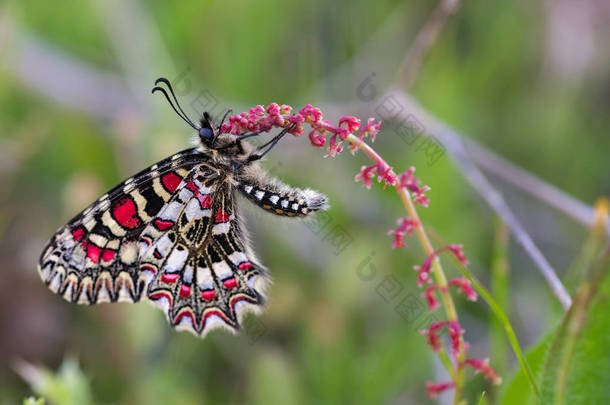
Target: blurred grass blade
x: 499, y: 290
x: 67, y: 386
x: 503, y: 319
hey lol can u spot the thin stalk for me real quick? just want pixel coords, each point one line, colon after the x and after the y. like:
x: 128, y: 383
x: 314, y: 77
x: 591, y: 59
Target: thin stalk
x: 439, y: 274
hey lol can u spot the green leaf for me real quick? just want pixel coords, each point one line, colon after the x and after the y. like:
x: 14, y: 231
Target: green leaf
x: 33, y: 401
x: 517, y: 389
x: 577, y: 369
x: 67, y: 386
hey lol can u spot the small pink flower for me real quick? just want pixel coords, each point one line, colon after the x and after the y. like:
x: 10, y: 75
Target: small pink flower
x: 423, y: 273
x: 464, y: 285
x: 317, y: 140
x: 406, y: 226
x: 437, y: 388
x: 455, y: 333
x: 273, y: 109
x: 334, y: 147
x: 371, y: 128
x: 311, y: 114
x: 482, y: 366
x: 459, y: 254
x: 366, y: 174
x: 297, y: 120
x: 412, y: 183
x: 352, y: 124
x: 386, y: 174
x: 432, y: 335
x: 430, y: 297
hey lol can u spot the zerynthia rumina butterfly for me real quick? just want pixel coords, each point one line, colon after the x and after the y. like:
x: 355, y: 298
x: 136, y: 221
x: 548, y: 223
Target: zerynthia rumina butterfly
x: 172, y: 234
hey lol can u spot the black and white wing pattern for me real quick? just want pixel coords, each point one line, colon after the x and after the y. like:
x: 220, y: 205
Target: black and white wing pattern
x: 195, y: 260
x: 95, y: 257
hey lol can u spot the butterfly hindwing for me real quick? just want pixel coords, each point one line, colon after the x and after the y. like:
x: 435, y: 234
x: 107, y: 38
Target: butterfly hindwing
x: 195, y: 259
x: 94, y: 258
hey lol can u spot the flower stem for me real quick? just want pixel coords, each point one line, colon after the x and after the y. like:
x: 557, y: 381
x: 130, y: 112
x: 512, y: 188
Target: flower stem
x: 439, y: 274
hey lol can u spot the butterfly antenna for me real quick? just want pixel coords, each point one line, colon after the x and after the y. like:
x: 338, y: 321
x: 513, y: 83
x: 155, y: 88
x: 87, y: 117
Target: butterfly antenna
x: 224, y: 117
x: 272, y: 143
x: 181, y: 114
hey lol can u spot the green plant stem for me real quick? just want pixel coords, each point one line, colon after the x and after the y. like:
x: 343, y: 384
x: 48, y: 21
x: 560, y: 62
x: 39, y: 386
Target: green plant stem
x: 508, y: 329
x: 439, y: 274
x: 499, y: 290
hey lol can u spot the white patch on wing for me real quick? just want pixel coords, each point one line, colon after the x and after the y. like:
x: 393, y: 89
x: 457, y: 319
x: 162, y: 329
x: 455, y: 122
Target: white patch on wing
x: 222, y: 270
x: 221, y: 228
x: 163, y: 245
x: 204, y: 278
x: 193, y: 210
x: 175, y: 261
x: 185, y: 194
x: 274, y: 198
x: 238, y: 257
x: 171, y: 211
x: 284, y: 203
x: 295, y: 206
x: 187, y: 276
x: 259, y: 194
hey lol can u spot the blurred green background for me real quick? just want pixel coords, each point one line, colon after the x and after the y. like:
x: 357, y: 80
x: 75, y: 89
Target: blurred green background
x: 529, y: 80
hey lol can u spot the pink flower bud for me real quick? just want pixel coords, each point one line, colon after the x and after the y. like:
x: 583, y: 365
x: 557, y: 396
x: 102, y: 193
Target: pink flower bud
x: 482, y: 366
x: 437, y: 388
x: 430, y: 297
x: 352, y: 124
x: 370, y: 129
x: 406, y: 226
x: 464, y: 285
x: 317, y: 140
x: 366, y: 174
x: 459, y: 254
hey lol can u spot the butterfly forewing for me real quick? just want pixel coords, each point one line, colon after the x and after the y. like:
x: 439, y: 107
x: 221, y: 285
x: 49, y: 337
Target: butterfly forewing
x: 194, y: 259
x: 94, y: 258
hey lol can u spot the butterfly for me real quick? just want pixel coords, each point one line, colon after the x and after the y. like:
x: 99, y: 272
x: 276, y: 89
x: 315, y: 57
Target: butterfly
x: 172, y: 234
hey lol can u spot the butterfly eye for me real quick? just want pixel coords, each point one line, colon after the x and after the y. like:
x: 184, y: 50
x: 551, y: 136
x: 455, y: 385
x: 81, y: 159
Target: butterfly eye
x: 206, y: 134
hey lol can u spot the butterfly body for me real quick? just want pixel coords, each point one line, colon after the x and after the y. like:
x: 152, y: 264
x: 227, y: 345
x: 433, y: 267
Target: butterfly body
x: 172, y: 235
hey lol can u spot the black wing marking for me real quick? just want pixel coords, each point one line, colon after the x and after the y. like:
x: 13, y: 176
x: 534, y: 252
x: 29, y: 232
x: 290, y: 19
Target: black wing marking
x: 194, y: 256
x: 94, y: 257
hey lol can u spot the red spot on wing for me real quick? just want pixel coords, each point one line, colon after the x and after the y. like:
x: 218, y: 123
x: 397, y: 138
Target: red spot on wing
x: 169, y: 278
x: 192, y: 186
x: 171, y: 181
x: 245, y: 265
x: 239, y: 297
x: 108, y: 255
x: 183, y: 314
x: 161, y: 294
x: 216, y: 312
x: 185, y: 291
x: 93, y: 252
x: 162, y: 225
x: 204, y: 200
x: 230, y: 283
x: 148, y: 267
x: 222, y: 216
x: 78, y: 234
x: 126, y: 213
x: 208, y: 295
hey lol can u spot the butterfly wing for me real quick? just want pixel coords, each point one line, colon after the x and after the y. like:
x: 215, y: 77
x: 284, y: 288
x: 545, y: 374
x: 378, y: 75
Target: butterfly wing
x: 195, y: 258
x: 94, y: 257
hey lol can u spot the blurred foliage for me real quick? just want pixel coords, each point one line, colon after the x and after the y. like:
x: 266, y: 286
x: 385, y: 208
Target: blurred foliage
x: 328, y: 335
